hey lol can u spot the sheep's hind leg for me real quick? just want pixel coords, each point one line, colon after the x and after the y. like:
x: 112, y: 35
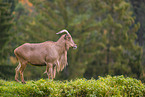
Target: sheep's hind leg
x: 17, y: 72
x: 23, y: 66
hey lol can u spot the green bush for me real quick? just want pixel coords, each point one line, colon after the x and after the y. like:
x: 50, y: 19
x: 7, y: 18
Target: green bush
x: 117, y: 86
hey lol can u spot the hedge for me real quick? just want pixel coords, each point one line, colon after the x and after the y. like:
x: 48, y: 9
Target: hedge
x: 116, y: 86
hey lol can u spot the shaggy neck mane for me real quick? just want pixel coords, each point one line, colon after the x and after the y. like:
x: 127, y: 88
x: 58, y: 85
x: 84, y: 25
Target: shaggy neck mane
x: 62, y: 61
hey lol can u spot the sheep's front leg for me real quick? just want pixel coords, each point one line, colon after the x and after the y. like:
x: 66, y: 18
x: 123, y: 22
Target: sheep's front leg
x: 49, y: 70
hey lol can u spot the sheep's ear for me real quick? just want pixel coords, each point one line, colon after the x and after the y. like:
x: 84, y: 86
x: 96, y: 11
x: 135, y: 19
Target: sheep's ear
x: 65, y: 37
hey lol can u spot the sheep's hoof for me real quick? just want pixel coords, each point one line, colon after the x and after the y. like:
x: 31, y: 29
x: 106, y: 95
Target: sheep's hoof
x: 17, y: 80
x: 24, y: 82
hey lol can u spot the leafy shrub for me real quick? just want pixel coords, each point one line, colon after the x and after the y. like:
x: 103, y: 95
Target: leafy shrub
x: 117, y: 86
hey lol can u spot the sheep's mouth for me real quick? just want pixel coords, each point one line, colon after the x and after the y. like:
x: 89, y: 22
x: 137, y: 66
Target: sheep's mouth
x: 75, y: 47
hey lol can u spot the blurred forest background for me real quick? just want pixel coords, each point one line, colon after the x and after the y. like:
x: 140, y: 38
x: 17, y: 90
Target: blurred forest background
x: 110, y: 35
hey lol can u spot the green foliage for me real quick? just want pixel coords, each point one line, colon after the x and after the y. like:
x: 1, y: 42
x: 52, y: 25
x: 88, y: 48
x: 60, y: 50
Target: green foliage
x: 139, y: 11
x: 7, y: 72
x: 104, y: 30
x: 5, y: 24
x: 117, y: 86
x: 113, y: 48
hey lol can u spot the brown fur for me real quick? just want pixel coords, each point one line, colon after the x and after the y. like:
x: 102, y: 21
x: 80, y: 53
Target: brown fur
x: 40, y: 54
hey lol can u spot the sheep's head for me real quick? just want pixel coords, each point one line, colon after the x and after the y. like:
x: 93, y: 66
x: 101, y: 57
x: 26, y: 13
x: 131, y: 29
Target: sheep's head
x: 68, y: 38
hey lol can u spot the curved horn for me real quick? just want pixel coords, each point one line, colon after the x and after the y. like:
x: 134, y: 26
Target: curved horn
x: 63, y: 31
